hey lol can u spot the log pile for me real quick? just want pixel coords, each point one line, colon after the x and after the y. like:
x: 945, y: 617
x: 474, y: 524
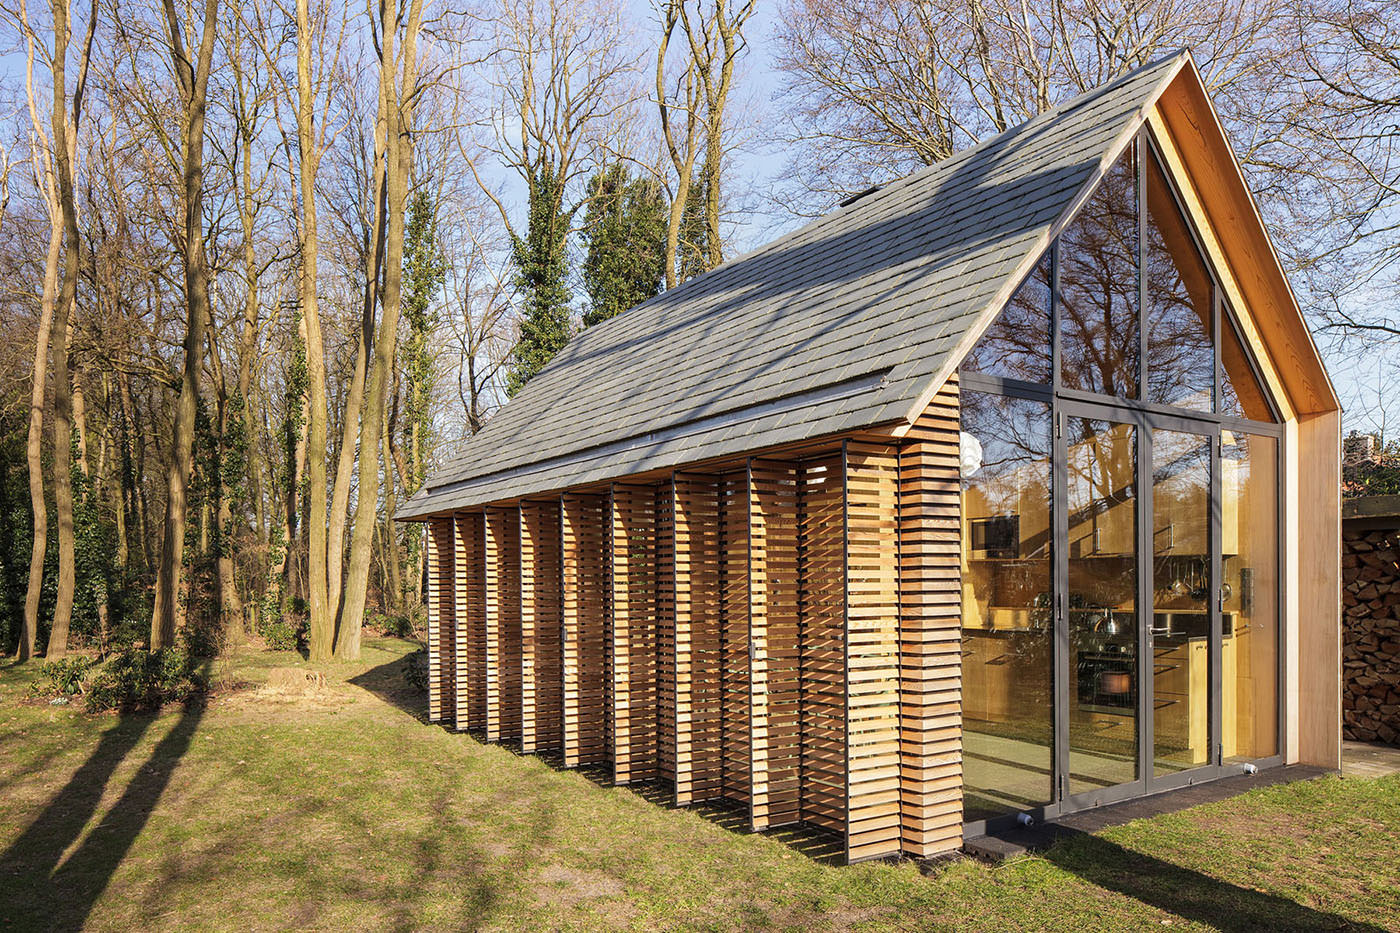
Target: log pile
x: 1371, y: 635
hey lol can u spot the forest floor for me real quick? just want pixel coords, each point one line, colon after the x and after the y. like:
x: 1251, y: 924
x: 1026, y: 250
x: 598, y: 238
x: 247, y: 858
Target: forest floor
x: 342, y: 809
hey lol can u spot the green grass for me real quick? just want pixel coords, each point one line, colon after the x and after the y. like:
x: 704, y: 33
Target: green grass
x: 348, y: 812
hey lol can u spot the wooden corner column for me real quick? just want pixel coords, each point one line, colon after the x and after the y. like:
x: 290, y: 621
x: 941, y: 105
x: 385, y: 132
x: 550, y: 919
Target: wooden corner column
x: 930, y: 629
x: 872, y: 651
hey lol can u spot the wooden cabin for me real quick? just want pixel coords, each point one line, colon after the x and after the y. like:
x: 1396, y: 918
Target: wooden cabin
x: 1010, y: 487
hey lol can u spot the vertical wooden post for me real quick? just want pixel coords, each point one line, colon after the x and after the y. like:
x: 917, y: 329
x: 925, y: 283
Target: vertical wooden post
x: 872, y: 651
x: 469, y: 580
x: 540, y: 634
x: 697, y: 639
x: 584, y: 571
x: 930, y: 631
x: 441, y: 620
x: 775, y: 688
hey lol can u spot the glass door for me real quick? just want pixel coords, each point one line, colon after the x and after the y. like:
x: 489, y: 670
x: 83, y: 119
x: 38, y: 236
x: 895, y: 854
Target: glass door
x: 1101, y: 690
x: 1139, y: 683
x: 1182, y: 627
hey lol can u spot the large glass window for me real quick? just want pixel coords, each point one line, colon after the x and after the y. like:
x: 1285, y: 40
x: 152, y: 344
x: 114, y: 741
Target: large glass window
x: 1017, y: 345
x: 1180, y: 307
x: 1008, y: 625
x: 1098, y: 282
x: 1241, y: 395
x: 1250, y: 608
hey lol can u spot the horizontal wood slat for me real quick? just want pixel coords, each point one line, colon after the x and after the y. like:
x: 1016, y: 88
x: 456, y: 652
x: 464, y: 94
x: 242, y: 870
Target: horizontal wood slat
x: 541, y: 634
x: 470, y: 581
x: 586, y: 576
x: 441, y: 622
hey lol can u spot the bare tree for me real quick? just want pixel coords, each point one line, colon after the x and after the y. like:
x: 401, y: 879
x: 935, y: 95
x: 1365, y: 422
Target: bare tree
x: 192, y: 78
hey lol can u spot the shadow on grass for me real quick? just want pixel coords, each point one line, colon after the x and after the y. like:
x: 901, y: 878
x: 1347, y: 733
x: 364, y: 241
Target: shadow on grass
x: 1187, y: 893
x: 389, y: 683
x: 39, y: 888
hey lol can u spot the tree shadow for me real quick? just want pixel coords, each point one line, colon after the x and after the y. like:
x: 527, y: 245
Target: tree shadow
x: 1185, y: 892
x: 39, y: 888
x: 389, y: 683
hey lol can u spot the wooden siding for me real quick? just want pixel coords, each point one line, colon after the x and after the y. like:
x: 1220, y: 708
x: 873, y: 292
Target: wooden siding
x: 735, y: 771
x: 541, y: 633
x: 930, y: 631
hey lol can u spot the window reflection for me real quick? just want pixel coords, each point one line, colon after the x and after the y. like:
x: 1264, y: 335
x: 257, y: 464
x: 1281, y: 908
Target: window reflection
x: 1250, y: 585
x: 1180, y: 311
x: 1008, y: 627
x: 1241, y: 396
x: 1098, y: 254
x: 1017, y: 345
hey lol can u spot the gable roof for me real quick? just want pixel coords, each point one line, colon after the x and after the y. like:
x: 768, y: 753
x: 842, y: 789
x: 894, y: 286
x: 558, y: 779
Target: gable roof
x: 850, y: 322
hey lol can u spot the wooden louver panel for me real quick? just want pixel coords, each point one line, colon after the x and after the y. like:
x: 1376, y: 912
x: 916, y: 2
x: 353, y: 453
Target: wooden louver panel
x: 736, y: 774
x: 821, y: 594
x: 470, y: 646
x: 585, y: 575
x: 441, y: 621
x: 503, y: 680
x: 930, y: 631
x: 632, y: 631
x: 775, y: 698
x: 665, y: 595
x: 541, y: 609
x: 699, y: 761
x: 872, y: 650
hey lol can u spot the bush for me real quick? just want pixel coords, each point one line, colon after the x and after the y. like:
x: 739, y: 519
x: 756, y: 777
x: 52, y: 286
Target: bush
x: 145, y: 680
x: 415, y: 670
x: 64, y: 677
x: 392, y: 626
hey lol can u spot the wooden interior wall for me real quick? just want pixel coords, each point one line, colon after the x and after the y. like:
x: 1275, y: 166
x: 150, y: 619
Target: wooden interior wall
x: 930, y: 631
x: 699, y: 755
x: 736, y: 771
x: 541, y: 608
x: 441, y: 621
x: 775, y: 687
x: 821, y: 599
x: 872, y: 650
x: 469, y: 530
x: 584, y: 535
x: 632, y: 636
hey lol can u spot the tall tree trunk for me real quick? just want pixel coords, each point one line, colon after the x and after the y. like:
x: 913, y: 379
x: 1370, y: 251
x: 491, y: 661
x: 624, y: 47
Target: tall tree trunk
x: 64, y: 146
x: 322, y: 618
x: 194, y: 83
x: 34, y: 448
x: 402, y: 84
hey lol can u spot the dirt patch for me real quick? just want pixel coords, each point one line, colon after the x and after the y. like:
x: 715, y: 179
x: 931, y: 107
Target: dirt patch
x: 296, y: 681
x: 565, y: 887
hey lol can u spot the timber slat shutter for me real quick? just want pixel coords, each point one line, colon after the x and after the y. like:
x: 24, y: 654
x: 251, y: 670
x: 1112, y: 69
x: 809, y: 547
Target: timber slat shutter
x: 782, y: 635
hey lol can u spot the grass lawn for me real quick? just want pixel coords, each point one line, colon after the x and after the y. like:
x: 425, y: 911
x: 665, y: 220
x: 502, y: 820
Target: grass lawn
x: 346, y: 811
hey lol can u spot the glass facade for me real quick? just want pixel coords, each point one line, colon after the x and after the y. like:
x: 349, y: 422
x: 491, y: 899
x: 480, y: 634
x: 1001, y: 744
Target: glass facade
x: 1157, y: 572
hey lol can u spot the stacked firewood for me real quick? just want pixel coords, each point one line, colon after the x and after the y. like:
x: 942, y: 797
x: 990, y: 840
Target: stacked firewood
x: 1371, y: 636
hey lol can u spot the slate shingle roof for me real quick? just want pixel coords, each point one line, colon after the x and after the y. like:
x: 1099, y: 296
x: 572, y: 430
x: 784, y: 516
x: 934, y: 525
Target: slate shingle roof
x: 841, y: 325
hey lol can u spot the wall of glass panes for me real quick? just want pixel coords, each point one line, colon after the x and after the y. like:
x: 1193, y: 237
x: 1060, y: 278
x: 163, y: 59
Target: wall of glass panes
x: 1122, y: 311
